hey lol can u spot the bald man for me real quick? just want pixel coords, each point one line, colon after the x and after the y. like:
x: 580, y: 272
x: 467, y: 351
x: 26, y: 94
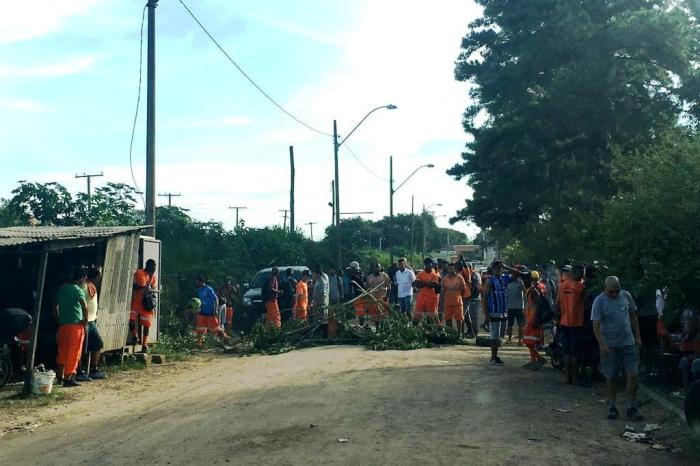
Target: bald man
x: 616, y: 328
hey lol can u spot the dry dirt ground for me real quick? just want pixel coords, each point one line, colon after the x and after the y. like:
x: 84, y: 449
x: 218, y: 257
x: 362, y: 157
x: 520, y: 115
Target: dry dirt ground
x: 433, y: 406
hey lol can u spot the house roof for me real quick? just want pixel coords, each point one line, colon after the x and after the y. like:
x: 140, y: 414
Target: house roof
x: 19, y: 236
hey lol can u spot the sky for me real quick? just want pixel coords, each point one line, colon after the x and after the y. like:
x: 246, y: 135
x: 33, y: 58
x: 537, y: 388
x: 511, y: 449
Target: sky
x: 69, y: 73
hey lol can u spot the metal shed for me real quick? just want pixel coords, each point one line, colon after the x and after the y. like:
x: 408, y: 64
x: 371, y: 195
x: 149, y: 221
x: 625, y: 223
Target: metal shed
x: 42, y: 252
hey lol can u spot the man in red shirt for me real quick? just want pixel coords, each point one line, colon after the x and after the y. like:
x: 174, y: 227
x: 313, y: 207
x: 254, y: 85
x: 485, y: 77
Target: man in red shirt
x: 570, y: 309
x: 427, y: 281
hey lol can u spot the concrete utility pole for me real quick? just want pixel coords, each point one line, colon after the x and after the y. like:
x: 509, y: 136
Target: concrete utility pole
x: 151, y: 121
x: 237, y: 208
x: 391, y: 209
x: 311, y: 225
x: 170, y: 197
x: 332, y: 203
x: 285, y: 211
x: 89, y: 187
x: 413, y: 227
x: 291, y: 190
x: 336, y: 197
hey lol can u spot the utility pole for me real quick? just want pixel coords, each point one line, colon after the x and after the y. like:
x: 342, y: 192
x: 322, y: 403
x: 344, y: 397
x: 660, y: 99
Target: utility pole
x: 237, y: 208
x: 391, y: 209
x: 336, y: 203
x: 170, y: 197
x: 291, y: 189
x: 89, y: 187
x: 332, y: 203
x: 286, y: 211
x: 413, y: 227
x: 311, y: 225
x: 151, y: 121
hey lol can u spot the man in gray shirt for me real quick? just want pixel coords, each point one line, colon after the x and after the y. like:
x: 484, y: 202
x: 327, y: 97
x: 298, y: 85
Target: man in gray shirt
x: 616, y: 328
x: 335, y: 284
x: 319, y: 296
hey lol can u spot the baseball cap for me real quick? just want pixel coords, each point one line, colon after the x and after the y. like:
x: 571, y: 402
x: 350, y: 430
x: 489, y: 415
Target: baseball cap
x: 354, y: 265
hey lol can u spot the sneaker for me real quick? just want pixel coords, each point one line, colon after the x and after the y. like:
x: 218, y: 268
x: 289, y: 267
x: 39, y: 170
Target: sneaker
x: 144, y: 349
x: 529, y: 365
x: 97, y: 374
x: 613, y: 413
x: 633, y: 414
x: 70, y: 383
x: 469, y: 335
x: 497, y: 361
x: 82, y: 377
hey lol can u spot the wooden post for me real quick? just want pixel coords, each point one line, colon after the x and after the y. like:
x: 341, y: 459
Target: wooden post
x: 291, y: 190
x: 36, y: 315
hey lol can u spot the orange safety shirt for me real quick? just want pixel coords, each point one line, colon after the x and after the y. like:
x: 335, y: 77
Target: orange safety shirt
x: 454, y: 287
x: 571, y: 303
x: 428, y: 277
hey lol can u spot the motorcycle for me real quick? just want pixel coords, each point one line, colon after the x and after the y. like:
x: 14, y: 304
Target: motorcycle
x: 12, y: 322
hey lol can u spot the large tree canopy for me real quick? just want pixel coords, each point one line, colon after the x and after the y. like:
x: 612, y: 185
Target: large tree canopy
x: 558, y: 87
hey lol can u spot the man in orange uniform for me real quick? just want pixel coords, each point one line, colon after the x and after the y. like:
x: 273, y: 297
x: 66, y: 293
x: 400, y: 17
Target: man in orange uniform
x: 269, y: 295
x: 570, y: 308
x: 143, y: 279
x: 377, y: 305
x: 71, y: 313
x: 301, y: 302
x: 533, y: 331
x: 428, y: 282
x: 453, y: 287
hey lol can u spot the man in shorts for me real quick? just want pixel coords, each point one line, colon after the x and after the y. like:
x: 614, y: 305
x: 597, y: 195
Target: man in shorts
x: 427, y: 282
x: 515, y: 296
x: 495, y: 307
x: 616, y: 328
x: 208, y: 318
x: 453, y: 288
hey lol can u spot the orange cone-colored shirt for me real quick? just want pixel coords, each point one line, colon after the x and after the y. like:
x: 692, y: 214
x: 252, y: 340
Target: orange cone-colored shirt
x: 302, y: 291
x: 571, y: 303
x: 428, y: 277
x: 141, y: 278
x: 454, y: 287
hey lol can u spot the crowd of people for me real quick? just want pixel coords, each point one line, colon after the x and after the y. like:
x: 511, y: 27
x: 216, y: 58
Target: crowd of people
x: 591, y: 324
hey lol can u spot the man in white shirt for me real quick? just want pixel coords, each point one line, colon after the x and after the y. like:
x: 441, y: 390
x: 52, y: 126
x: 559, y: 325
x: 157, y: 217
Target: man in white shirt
x: 404, y: 285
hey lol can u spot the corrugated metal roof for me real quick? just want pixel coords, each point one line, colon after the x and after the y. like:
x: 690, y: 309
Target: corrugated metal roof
x: 17, y: 236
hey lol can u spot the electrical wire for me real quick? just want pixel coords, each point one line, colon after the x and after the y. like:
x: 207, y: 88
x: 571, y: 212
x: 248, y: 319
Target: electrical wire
x: 251, y: 80
x: 138, y: 104
x: 350, y: 151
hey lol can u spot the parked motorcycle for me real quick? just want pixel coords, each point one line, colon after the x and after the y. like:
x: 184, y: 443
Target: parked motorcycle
x: 13, y: 321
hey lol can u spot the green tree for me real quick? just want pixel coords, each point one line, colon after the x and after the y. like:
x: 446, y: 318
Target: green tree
x: 650, y: 226
x: 47, y: 203
x: 558, y: 87
x: 111, y: 205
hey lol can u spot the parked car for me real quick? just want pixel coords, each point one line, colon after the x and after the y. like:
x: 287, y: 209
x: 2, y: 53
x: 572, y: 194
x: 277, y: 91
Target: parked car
x: 253, y: 308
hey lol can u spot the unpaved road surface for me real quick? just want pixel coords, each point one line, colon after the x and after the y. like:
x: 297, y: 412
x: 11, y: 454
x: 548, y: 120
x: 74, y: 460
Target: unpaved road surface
x: 434, y: 406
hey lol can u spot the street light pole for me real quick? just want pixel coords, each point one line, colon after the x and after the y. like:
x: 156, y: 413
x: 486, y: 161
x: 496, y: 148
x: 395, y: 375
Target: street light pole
x: 336, y: 147
x: 426, y: 211
x: 392, y: 191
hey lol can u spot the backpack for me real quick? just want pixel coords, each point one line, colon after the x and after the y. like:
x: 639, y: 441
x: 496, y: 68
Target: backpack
x: 150, y: 299
x: 476, y: 289
x: 545, y: 312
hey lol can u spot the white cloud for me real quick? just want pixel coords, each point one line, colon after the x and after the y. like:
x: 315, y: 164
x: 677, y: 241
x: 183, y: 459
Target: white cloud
x: 22, y: 105
x: 198, y: 123
x: 23, y: 20
x: 70, y: 66
x: 295, y: 29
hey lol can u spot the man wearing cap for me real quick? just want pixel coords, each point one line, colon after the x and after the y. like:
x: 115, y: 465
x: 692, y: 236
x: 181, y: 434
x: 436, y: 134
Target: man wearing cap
x: 428, y: 284
x: 616, y: 328
x: 495, y: 306
x: 404, y: 286
x: 357, y: 285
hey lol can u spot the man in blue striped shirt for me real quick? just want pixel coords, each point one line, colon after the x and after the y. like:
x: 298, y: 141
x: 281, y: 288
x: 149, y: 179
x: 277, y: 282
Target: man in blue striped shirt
x: 495, y: 306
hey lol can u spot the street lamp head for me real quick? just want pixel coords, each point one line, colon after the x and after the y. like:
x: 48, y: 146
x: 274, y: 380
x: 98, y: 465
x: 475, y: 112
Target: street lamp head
x: 430, y: 165
x: 391, y: 107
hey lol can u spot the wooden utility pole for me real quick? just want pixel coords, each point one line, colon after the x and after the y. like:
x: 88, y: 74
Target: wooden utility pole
x: 36, y: 312
x: 237, y: 208
x: 311, y: 225
x: 170, y: 197
x: 291, y: 189
x: 151, y: 121
x: 89, y: 187
x: 285, y: 211
x: 332, y: 203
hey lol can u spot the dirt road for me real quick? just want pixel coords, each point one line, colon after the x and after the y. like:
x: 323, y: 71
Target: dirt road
x: 436, y: 406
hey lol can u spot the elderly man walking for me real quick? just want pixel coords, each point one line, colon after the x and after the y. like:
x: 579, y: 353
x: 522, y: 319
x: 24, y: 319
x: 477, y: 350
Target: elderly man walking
x: 617, y: 330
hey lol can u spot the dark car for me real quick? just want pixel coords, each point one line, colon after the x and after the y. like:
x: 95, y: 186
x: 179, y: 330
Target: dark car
x: 253, y: 308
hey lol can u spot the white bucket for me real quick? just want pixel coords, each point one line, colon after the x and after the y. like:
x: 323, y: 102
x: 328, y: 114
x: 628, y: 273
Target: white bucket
x: 42, y: 382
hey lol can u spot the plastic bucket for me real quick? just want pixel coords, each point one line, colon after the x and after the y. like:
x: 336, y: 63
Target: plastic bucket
x: 42, y: 382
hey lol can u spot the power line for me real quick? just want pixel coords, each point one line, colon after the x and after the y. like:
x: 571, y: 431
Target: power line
x: 363, y: 165
x: 138, y: 104
x: 242, y: 71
